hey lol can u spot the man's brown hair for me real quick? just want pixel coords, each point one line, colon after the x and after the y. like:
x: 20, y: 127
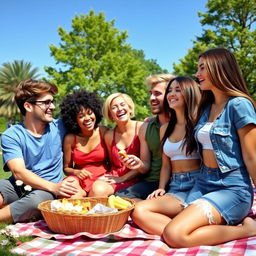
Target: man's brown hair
x: 30, y: 90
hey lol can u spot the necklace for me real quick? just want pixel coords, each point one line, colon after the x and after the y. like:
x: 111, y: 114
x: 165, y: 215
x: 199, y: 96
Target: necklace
x: 217, y: 108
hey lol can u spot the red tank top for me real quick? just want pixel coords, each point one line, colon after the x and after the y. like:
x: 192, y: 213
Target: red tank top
x: 94, y: 161
x: 118, y: 169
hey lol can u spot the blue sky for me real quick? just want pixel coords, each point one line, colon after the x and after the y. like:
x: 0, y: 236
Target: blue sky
x: 163, y: 29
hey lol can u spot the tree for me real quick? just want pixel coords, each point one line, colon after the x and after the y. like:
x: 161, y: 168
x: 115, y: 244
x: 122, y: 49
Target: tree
x: 11, y: 74
x: 94, y: 56
x: 233, y: 23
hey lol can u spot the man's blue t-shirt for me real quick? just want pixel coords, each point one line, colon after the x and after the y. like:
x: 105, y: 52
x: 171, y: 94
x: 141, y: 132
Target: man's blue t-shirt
x: 43, y: 155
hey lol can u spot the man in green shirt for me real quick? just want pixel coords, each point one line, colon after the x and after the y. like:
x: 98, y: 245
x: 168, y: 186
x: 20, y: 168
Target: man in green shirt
x: 150, y: 148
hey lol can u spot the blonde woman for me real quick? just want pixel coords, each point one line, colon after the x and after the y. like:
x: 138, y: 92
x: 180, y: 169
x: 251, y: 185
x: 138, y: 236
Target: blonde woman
x: 119, y: 109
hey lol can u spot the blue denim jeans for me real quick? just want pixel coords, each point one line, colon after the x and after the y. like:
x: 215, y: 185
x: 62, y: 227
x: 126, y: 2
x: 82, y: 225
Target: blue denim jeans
x: 139, y: 190
x: 231, y: 193
x: 181, y: 184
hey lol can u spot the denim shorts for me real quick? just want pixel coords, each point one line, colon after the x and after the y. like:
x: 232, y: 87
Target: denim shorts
x: 22, y: 208
x: 181, y: 184
x: 231, y: 193
x: 139, y: 190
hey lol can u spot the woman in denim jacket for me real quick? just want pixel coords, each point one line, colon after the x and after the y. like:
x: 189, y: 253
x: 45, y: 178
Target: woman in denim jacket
x: 226, y: 134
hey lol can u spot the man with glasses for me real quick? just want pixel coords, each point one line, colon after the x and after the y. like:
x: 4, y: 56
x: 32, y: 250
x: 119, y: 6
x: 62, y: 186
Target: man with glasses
x: 32, y: 152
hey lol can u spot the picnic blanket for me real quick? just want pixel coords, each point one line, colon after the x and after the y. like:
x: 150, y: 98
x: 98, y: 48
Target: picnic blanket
x: 130, y: 240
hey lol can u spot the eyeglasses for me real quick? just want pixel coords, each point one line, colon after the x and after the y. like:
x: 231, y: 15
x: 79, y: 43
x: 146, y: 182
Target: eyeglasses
x: 47, y: 103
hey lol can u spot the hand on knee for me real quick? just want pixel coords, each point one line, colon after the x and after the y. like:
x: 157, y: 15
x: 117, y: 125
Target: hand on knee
x: 80, y: 194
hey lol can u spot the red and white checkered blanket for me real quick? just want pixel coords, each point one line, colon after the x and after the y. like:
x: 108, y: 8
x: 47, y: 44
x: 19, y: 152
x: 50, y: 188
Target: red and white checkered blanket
x: 130, y: 241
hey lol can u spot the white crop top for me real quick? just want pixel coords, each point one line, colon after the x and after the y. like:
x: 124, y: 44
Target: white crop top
x: 203, y: 136
x: 175, y: 152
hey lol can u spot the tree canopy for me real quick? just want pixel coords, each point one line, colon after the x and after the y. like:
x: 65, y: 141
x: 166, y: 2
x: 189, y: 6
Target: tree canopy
x: 230, y: 24
x: 94, y: 56
x: 11, y: 74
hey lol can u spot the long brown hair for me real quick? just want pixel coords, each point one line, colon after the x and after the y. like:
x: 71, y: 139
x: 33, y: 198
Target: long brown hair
x: 191, y: 93
x: 225, y: 74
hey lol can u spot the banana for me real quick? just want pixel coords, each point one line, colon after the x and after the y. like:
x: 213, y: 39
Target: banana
x: 111, y: 201
x: 121, y: 204
x: 118, y: 202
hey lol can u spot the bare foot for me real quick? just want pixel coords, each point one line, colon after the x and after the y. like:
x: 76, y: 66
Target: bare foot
x: 250, y: 226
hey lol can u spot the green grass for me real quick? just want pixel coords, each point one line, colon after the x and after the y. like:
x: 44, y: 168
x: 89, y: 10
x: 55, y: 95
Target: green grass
x: 3, y: 123
x: 3, y: 174
x: 12, y: 242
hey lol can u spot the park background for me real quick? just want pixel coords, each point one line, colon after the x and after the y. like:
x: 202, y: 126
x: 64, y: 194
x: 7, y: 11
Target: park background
x: 113, y: 45
x: 110, y: 46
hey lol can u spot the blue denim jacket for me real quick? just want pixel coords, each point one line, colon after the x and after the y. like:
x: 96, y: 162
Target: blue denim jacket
x: 237, y: 113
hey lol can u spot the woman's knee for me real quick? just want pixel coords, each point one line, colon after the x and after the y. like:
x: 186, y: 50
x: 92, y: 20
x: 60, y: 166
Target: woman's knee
x: 140, y: 211
x: 173, y: 236
x: 101, y: 189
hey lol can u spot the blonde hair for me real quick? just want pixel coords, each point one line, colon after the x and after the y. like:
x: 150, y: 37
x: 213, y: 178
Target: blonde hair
x: 108, y: 102
x: 158, y: 78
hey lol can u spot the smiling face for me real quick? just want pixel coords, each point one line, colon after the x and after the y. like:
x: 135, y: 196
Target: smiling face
x: 203, y: 76
x: 86, y: 119
x: 174, y: 96
x: 156, y: 98
x: 42, y: 107
x: 119, y: 110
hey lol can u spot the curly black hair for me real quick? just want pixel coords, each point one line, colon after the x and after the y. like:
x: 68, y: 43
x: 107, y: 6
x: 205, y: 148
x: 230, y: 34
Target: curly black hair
x: 72, y: 105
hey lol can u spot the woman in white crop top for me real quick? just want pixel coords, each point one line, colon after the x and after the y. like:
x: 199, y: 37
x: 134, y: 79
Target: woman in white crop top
x: 180, y: 159
x: 223, y: 193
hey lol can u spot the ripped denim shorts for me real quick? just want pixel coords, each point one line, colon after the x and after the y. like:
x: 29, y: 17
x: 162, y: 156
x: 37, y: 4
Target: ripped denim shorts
x: 231, y: 193
x: 181, y: 185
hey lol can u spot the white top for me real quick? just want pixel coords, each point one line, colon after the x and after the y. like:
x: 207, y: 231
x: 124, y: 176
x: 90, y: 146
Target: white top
x: 203, y: 136
x: 175, y: 152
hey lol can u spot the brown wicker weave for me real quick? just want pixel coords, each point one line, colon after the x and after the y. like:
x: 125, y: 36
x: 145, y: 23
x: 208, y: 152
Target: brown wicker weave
x: 72, y: 223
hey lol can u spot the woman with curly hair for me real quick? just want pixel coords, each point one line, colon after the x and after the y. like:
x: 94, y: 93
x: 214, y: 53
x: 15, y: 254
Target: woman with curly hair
x: 119, y: 109
x: 85, y: 153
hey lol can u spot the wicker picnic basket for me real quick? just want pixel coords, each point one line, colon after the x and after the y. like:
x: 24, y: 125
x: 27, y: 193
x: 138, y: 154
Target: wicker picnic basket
x: 71, y: 223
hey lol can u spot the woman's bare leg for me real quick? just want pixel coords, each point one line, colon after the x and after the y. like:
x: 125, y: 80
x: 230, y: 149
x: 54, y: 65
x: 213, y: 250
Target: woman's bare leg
x: 81, y: 193
x: 191, y: 228
x: 152, y: 215
x: 101, y: 189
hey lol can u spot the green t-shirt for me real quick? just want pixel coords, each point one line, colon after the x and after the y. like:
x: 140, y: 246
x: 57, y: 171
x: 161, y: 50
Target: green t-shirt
x: 153, y: 139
